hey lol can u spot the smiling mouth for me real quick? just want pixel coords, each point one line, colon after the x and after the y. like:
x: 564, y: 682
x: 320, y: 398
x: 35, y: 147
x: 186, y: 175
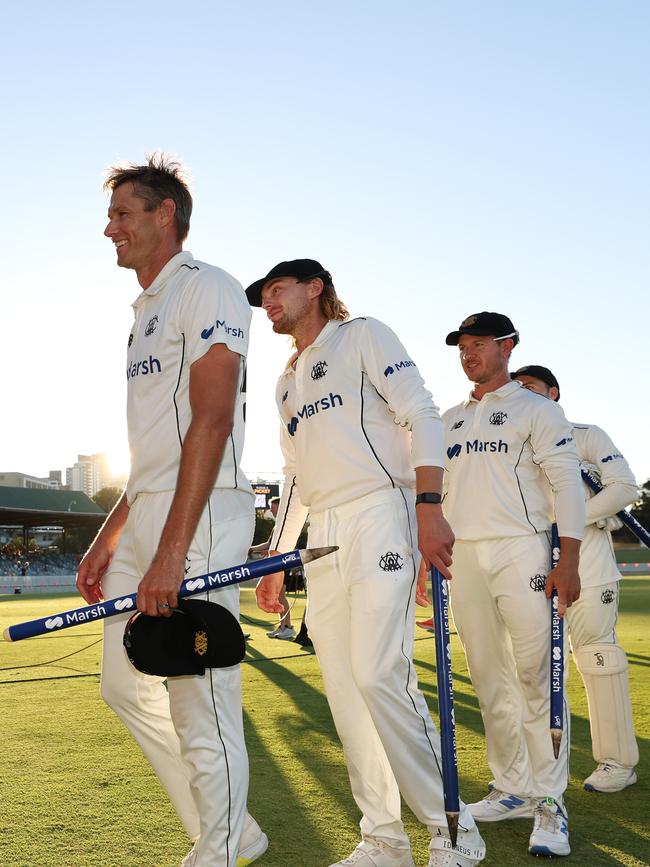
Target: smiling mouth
x: 119, y: 244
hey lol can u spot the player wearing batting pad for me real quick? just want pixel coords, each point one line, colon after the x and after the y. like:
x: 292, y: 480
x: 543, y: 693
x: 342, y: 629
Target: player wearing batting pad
x: 599, y: 657
x: 187, y: 509
x: 360, y: 434
x: 512, y: 470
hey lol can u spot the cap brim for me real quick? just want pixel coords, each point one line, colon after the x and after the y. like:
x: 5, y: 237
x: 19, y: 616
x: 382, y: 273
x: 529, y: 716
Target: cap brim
x: 454, y: 336
x: 254, y: 292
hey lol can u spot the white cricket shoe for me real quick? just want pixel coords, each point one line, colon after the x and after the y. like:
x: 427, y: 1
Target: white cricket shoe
x: 287, y: 633
x: 469, y: 849
x: 497, y: 806
x: 190, y: 859
x: 550, y: 830
x: 610, y: 777
x: 274, y: 632
x: 252, y: 845
x: 375, y: 853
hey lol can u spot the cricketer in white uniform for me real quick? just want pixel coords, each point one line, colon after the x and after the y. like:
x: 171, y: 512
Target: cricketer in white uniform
x: 599, y: 657
x: 358, y: 431
x: 511, y: 471
x: 187, y: 508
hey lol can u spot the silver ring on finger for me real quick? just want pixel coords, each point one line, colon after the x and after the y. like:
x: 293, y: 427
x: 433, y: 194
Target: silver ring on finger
x: 162, y: 605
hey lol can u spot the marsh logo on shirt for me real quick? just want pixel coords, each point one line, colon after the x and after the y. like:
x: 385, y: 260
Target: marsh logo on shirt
x: 143, y: 368
x: 607, y: 597
x: 319, y: 370
x: 399, y: 365
x: 151, y: 326
x: 498, y: 418
x: 309, y: 410
x: 565, y: 441
x: 221, y: 324
x: 615, y: 457
x: 478, y: 447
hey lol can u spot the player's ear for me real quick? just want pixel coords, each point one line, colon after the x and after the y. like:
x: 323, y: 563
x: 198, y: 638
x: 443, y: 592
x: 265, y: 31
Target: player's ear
x: 166, y: 212
x: 553, y: 393
x: 315, y: 287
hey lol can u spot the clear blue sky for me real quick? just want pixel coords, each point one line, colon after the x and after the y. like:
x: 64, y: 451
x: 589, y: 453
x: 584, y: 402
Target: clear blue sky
x: 438, y: 158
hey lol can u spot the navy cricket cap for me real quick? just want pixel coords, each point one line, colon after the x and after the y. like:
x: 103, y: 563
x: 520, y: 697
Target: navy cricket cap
x: 301, y: 269
x: 485, y: 325
x: 198, y: 635
x: 538, y: 372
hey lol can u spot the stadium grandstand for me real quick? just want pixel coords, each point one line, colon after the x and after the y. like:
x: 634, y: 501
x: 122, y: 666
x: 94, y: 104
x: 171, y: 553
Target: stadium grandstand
x: 24, y: 514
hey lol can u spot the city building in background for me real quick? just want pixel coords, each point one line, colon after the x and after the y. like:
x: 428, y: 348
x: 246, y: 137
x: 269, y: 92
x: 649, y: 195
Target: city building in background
x: 24, y: 480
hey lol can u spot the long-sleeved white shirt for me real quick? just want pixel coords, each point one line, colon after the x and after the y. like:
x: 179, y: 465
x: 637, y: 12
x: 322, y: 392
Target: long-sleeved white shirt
x: 511, y: 468
x: 598, y: 453
x: 356, y: 418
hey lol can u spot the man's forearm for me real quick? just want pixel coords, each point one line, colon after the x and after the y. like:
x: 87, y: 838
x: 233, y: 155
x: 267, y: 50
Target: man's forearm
x: 112, y: 527
x: 201, y: 457
x: 570, y: 551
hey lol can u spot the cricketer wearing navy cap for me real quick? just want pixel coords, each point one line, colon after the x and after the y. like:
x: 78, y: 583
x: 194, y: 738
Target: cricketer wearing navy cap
x: 536, y: 371
x: 485, y: 324
x: 303, y: 270
x: 512, y: 470
x: 598, y: 656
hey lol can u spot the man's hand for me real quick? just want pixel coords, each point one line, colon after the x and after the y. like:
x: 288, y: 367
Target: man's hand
x: 564, y: 578
x: 268, y: 593
x: 92, y: 569
x: 613, y: 523
x: 158, y: 590
x: 421, y: 593
x: 98, y: 557
x: 435, y: 538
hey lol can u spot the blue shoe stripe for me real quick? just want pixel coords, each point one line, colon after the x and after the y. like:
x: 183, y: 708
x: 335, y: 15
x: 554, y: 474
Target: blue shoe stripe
x: 512, y: 801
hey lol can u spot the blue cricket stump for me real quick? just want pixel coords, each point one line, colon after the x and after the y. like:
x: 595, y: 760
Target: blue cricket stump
x: 557, y: 655
x: 446, y: 702
x: 190, y: 586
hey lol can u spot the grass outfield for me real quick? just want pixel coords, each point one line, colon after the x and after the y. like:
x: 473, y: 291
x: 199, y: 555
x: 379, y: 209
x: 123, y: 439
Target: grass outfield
x: 76, y: 792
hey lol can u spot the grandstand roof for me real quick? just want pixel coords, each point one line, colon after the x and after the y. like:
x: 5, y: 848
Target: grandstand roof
x: 38, y: 507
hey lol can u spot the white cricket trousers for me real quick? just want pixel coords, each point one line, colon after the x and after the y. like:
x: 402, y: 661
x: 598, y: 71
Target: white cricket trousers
x: 191, y: 731
x: 361, y: 619
x: 503, y: 618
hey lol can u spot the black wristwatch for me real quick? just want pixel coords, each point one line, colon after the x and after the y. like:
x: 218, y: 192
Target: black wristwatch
x: 436, y: 499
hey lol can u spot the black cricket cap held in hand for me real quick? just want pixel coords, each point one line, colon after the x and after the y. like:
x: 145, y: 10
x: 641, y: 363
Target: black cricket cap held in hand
x: 198, y: 635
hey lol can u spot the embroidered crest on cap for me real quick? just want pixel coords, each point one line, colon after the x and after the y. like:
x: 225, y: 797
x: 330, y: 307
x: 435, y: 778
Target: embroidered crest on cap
x: 467, y: 323
x: 201, y: 643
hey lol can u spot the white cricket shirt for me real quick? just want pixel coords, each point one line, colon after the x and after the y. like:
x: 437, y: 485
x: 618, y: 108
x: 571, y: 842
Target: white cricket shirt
x: 356, y: 418
x: 188, y: 308
x: 599, y: 454
x: 511, y: 467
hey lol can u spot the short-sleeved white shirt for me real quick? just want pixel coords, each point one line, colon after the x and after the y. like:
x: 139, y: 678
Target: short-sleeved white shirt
x: 188, y: 308
x: 511, y: 459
